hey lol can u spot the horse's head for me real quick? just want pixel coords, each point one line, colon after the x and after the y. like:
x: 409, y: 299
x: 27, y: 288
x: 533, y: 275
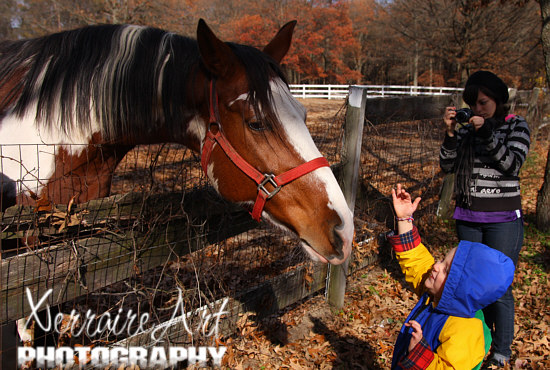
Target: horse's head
x: 257, y: 120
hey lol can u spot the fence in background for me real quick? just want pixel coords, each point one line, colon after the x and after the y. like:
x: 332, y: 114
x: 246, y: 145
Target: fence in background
x: 518, y: 98
x: 373, y: 91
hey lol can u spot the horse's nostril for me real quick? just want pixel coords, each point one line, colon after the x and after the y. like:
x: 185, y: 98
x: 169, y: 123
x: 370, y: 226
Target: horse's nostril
x: 340, y: 228
x: 342, y: 236
x: 338, y: 242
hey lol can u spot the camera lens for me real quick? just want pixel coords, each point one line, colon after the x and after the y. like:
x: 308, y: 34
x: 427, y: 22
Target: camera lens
x: 463, y: 115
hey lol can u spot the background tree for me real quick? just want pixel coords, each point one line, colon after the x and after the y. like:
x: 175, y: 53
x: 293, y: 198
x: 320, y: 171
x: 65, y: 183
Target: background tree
x: 8, y: 18
x: 543, y: 196
x: 425, y: 42
x: 37, y: 17
x: 454, y: 38
x: 325, y: 44
x: 369, y: 57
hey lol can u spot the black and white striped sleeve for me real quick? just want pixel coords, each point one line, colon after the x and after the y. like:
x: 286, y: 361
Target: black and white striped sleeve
x: 508, y: 155
x: 448, y: 153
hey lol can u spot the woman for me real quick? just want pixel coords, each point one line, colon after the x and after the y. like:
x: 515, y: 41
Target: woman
x: 486, y: 154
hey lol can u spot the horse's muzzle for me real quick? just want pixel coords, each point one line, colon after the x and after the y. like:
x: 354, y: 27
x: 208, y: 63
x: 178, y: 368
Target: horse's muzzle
x: 341, y: 242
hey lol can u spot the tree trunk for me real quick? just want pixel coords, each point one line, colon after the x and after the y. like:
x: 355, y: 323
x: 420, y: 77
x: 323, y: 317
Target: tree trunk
x: 543, y: 197
x: 543, y: 200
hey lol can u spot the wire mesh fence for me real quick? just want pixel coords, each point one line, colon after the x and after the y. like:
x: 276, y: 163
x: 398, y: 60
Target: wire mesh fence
x: 400, y: 152
x: 162, y: 243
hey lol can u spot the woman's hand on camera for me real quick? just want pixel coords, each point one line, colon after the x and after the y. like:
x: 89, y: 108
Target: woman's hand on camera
x: 477, y: 122
x: 449, y: 119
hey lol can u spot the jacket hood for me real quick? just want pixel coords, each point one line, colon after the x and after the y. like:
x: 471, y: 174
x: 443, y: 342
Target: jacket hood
x: 479, y: 275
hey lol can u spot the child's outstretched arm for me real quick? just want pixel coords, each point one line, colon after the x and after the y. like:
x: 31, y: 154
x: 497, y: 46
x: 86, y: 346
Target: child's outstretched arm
x: 415, y: 260
x: 404, y: 208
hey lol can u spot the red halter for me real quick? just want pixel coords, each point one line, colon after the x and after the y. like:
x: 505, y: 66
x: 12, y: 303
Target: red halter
x: 261, y: 179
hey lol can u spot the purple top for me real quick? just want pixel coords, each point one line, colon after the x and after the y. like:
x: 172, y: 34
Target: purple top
x: 486, y: 217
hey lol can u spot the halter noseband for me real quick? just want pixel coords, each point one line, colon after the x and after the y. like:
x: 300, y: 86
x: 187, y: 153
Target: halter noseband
x: 261, y: 179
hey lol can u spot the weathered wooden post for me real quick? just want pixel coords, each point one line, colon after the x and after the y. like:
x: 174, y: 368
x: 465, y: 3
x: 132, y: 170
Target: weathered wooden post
x: 532, y: 117
x: 444, y: 207
x: 351, y: 156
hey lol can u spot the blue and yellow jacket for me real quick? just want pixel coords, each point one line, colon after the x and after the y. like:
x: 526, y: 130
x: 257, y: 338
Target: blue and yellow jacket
x: 454, y: 336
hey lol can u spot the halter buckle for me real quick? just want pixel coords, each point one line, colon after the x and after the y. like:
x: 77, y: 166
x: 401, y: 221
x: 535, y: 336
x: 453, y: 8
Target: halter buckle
x: 214, y: 125
x: 271, y: 180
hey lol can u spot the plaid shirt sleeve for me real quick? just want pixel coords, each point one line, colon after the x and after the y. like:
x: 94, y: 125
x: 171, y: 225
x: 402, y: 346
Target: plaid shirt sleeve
x: 405, y: 242
x: 419, y: 358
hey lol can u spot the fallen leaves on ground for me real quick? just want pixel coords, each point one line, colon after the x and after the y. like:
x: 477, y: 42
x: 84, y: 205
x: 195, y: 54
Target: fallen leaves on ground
x: 361, y: 335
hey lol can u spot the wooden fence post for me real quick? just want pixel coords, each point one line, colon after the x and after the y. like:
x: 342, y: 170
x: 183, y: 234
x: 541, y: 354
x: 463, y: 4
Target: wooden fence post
x: 444, y: 209
x: 532, y: 117
x: 351, y: 156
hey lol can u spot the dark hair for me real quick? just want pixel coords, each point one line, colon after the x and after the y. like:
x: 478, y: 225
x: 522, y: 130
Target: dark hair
x: 471, y: 93
x: 491, y: 85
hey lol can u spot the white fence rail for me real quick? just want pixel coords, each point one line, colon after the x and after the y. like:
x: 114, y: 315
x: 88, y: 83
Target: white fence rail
x: 373, y: 91
x: 320, y: 91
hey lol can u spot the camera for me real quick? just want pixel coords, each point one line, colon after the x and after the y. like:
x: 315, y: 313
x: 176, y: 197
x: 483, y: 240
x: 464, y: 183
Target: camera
x: 463, y: 115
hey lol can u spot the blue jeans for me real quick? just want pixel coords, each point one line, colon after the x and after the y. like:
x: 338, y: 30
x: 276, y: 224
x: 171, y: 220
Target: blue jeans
x: 506, y: 237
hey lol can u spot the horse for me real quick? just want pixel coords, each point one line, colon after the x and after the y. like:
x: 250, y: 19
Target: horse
x: 88, y: 96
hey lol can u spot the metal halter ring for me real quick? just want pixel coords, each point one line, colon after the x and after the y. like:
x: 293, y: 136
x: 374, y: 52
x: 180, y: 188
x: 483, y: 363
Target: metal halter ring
x: 269, y: 179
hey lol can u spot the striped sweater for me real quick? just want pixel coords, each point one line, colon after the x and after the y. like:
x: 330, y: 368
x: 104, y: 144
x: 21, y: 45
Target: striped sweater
x: 500, y: 150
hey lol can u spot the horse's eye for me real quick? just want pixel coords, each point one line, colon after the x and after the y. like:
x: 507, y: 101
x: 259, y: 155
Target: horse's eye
x: 256, y: 125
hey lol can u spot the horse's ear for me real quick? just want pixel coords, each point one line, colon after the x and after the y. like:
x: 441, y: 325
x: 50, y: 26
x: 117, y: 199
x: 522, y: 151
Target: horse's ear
x: 216, y: 54
x: 278, y: 47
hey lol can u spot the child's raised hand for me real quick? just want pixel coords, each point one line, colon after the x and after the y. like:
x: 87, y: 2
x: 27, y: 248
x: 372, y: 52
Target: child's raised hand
x: 416, y: 334
x: 402, y: 202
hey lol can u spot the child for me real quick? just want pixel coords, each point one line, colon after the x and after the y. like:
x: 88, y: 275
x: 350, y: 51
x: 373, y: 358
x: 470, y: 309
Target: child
x: 446, y: 328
